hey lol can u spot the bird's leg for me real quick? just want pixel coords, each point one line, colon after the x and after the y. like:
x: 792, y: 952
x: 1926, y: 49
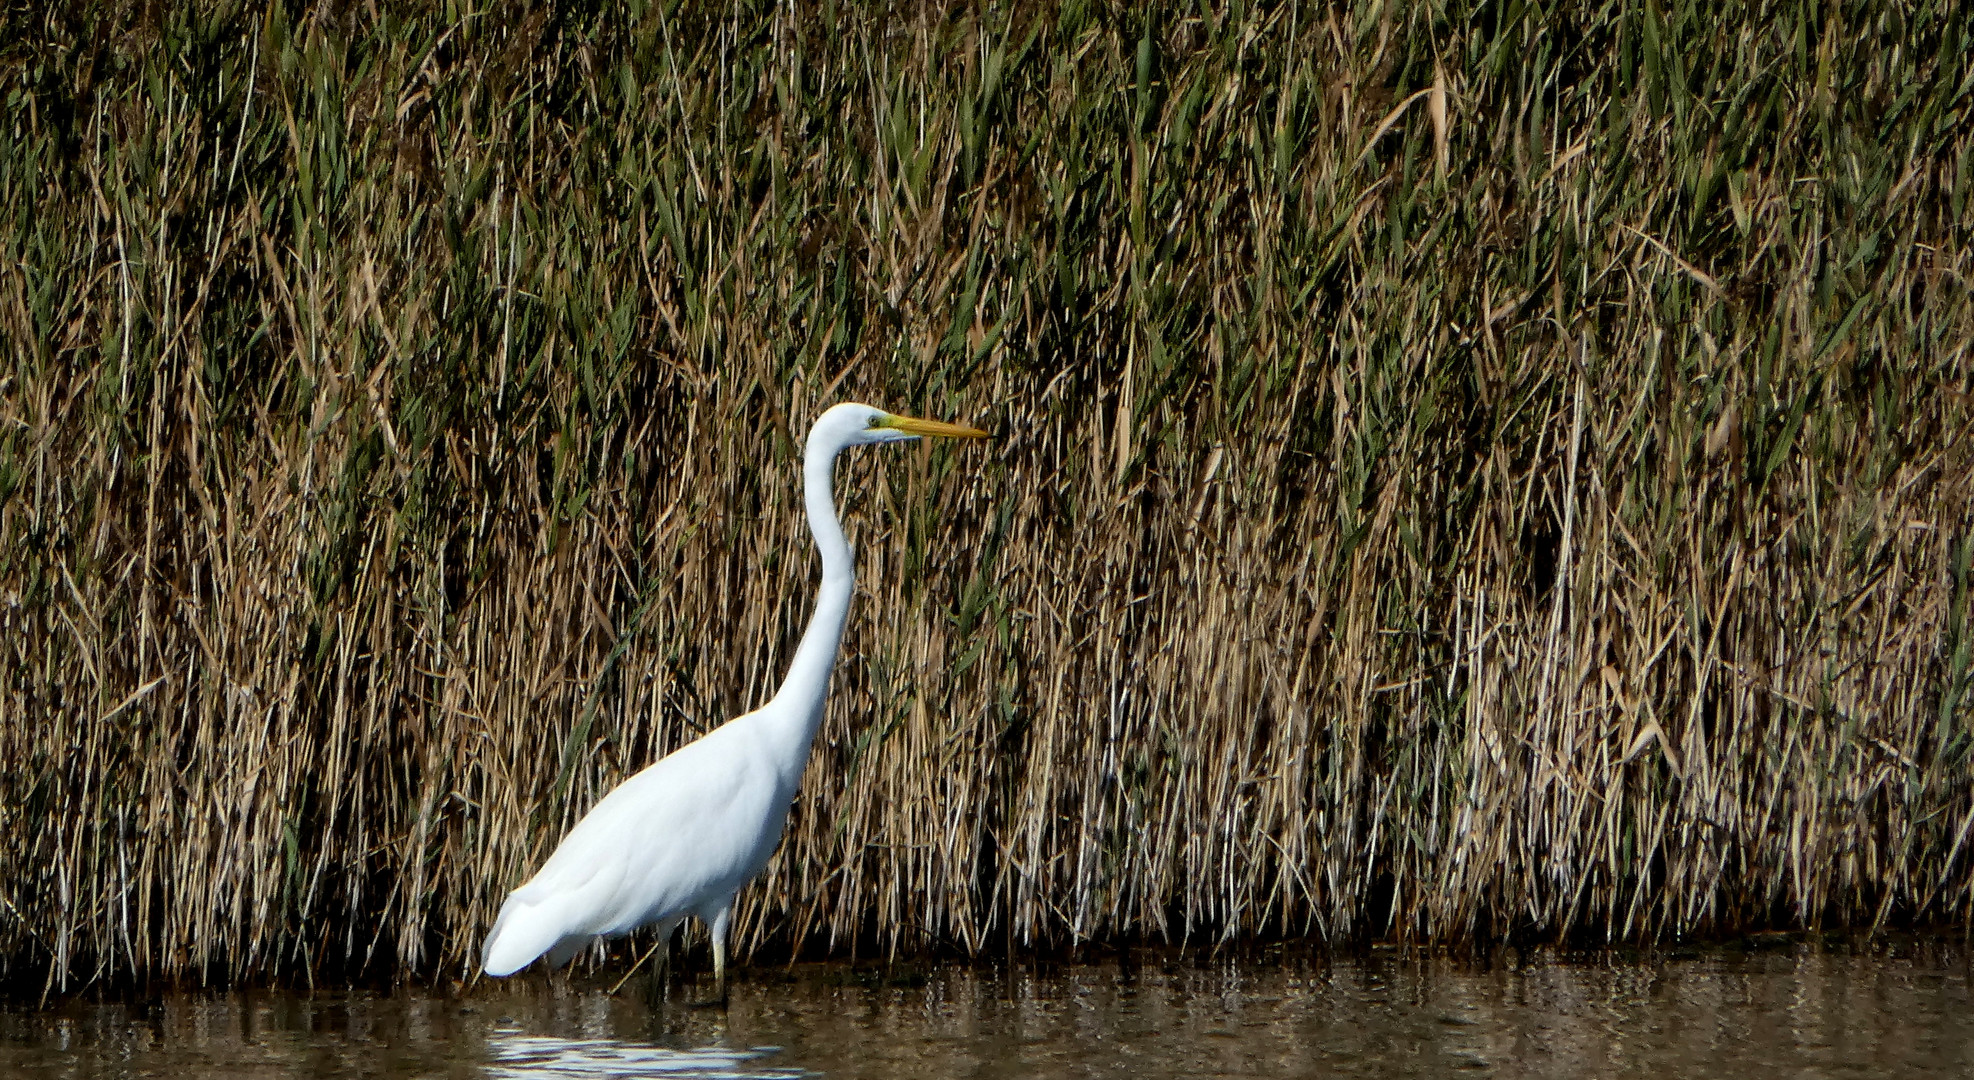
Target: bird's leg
x: 719, y: 933
x: 660, y: 975
x: 720, y: 971
x: 654, y: 988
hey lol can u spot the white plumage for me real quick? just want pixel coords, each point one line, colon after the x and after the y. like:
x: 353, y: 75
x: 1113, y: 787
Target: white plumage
x: 684, y: 835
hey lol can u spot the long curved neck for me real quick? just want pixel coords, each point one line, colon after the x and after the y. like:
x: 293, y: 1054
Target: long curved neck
x: 798, y: 706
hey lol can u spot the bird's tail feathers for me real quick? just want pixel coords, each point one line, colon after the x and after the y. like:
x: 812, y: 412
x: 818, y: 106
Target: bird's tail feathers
x: 521, y: 933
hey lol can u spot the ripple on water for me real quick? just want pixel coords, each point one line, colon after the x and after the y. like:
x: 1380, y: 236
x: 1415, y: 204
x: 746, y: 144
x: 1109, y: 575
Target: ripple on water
x: 1889, y: 1010
x: 514, y: 1055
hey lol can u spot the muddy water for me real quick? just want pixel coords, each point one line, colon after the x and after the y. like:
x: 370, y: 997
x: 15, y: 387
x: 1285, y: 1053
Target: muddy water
x: 1901, y: 1010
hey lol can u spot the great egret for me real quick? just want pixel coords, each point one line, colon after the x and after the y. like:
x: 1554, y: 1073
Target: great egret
x: 681, y: 837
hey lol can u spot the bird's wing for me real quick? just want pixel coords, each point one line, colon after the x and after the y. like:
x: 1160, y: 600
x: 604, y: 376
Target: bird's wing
x: 688, y: 830
x: 560, y: 902
x: 691, y: 826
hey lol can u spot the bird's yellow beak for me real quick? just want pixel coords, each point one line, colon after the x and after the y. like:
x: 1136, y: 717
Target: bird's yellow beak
x: 911, y: 426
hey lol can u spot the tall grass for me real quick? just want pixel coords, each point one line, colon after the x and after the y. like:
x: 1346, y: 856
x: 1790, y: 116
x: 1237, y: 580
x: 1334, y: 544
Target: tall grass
x: 1463, y: 471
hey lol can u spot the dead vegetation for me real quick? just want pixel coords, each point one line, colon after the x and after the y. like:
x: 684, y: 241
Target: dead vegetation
x: 1463, y: 472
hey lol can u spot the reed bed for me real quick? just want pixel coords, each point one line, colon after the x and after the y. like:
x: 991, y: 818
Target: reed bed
x: 1465, y: 472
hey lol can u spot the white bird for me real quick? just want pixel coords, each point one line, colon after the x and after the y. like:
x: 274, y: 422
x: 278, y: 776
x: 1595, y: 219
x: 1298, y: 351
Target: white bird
x: 683, y: 836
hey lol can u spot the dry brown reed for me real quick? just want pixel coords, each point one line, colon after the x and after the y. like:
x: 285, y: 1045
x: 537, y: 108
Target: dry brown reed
x: 1464, y: 471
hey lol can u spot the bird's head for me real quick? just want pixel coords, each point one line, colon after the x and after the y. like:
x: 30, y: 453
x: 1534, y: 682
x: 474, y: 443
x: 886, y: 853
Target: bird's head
x: 851, y: 424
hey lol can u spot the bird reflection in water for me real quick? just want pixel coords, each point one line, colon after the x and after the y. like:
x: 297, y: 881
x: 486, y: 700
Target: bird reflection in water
x: 515, y: 1056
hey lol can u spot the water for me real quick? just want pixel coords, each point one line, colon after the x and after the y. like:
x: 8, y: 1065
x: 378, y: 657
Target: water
x: 1902, y: 1010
